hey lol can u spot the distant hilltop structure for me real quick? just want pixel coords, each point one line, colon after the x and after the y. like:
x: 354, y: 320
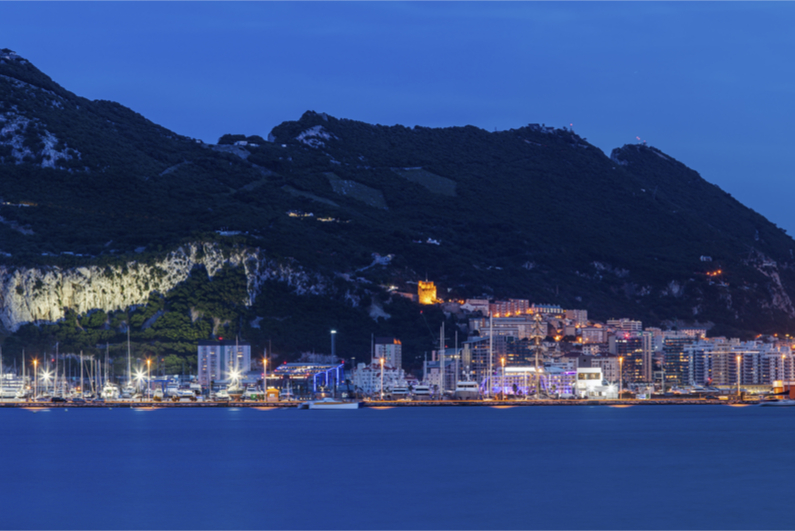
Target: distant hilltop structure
x: 426, y: 291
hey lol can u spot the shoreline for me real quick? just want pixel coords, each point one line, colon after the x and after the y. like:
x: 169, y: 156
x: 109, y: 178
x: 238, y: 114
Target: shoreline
x: 386, y: 404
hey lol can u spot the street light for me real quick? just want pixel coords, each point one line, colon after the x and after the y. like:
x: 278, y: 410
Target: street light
x: 382, y: 377
x: 265, y: 379
x: 333, y: 350
x: 739, y: 368
x: 502, y: 361
x: 620, y: 376
x: 36, y: 378
x: 148, y: 376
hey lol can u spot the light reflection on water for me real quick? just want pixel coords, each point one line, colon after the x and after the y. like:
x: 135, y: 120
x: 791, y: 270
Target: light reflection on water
x: 582, y: 467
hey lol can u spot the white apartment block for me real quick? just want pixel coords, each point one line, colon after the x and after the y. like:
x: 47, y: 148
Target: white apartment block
x: 218, y: 360
x: 367, y: 378
x: 390, y: 349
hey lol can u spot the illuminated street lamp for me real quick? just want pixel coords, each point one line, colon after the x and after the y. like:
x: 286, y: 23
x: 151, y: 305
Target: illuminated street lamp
x: 382, y: 377
x: 148, y: 376
x: 333, y: 350
x: 502, y: 361
x: 620, y: 376
x: 36, y: 378
x: 264, y: 378
x: 739, y: 368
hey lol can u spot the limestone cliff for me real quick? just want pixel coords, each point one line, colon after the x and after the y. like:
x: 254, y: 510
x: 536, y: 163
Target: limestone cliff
x: 43, y: 294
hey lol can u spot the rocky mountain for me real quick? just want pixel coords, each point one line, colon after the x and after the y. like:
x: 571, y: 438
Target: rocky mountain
x: 319, y: 221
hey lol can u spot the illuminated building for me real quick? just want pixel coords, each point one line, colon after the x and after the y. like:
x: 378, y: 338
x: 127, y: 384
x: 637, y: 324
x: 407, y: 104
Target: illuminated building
x: 306, y: 379
x: 427, y: 292
x: 218, y: 359
x: 625, y: 325
x: 630, y: 347
x: 390, y: 349
x: 609, y: 365
x: 679, y: 363
x: 366, y: 378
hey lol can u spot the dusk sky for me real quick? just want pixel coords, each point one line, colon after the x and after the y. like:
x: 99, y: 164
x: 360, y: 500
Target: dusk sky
x: 711, y: 84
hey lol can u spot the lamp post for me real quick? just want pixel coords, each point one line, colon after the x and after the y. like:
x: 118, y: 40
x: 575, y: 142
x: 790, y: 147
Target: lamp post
x: 783, y: 370
x: 148, y: 377
x: 502, y: 384
x: 620, y: 376
x: 333, y: 350
x: 739, y: 368
x: 382, y: 378
x: 265, y: 379
x: 36, y: 378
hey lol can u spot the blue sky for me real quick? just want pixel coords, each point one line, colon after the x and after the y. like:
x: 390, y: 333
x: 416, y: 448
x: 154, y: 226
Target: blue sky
x: 711, y: 84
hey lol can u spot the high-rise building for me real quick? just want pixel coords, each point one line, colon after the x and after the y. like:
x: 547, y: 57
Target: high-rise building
x: 219, y: 360
x: 678, y: 361
x: 391, y: 349
x: 629, y: 347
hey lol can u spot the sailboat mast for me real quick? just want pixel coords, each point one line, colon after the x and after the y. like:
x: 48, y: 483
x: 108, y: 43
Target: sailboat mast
x: 129, y: 367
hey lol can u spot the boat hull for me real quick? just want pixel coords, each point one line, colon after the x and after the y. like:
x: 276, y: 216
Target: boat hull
x: 332, y: 405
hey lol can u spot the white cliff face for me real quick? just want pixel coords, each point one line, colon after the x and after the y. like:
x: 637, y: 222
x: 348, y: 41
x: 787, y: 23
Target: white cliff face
x: 43, y: 294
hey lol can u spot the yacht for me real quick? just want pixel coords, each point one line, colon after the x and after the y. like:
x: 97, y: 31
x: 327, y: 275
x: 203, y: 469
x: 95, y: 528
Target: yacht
x: 222, y: 396
x: 466, y: 391
x: 110, y: 391
x: 399, y: 393
x: 172, y: 389
x: 329, y: 403
x: 783, y: 402
x: 422, y: 392
x: 186, y: 394
x: 158, y: 395
x: 128, y: 391
x: 23, y: 393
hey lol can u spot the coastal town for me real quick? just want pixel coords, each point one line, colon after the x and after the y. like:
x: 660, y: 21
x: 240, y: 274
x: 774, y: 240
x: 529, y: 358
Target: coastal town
x: 509, y: 350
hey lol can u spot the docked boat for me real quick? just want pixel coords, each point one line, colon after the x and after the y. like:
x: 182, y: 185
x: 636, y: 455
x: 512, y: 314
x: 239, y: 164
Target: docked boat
x: 466, y: 391
x: 185, y: 394
x: 421, y: 392
x: 222, y: 396
x: 784, y: 402
x: 172, y: 389
x: 110, y: 392
x: 329, y: 403
x: 158, y: 395
x: 398, y: 393
x: 128, y: 391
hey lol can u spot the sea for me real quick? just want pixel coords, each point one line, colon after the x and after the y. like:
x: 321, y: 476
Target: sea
x: 544, y: 467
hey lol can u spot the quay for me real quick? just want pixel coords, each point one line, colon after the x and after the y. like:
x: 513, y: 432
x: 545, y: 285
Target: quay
x: 385, y: 403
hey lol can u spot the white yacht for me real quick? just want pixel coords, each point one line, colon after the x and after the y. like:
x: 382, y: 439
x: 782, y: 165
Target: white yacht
x: 128, y: 391
x: 329, y: 403
x: 466, y: 391
x: 110, y: 391
x: 186, y: 394
x: 222, y: 396
x: 422, y: 392
x: 172, y: 389
x: 157, y: 396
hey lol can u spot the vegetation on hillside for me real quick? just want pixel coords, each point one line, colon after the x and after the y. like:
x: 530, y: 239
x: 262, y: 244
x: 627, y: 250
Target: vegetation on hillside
x: 533, y: 213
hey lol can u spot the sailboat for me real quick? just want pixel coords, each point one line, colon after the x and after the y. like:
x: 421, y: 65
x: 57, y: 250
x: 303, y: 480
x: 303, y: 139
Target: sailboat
x: 110, y: 391
x: 128, y: 390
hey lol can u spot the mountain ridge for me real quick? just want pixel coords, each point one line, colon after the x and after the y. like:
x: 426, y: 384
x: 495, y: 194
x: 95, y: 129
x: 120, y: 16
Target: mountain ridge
x: 535, y: 212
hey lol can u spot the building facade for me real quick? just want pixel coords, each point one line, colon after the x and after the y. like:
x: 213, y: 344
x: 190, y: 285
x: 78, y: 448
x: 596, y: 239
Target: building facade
x: 220, y: 361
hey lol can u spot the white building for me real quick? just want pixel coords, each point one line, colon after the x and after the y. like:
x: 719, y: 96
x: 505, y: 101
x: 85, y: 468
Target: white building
x: 591, y: 384
x: 390, y: 349
x: 367, y: 378
x: 219, y: 360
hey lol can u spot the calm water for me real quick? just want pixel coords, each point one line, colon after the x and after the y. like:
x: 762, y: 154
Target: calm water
x: 670, y: 467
